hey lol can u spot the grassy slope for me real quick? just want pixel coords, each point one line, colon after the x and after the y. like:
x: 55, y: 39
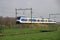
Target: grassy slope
x: 33, y: 36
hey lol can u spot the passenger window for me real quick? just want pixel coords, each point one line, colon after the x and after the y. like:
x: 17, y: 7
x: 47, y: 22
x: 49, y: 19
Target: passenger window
x: 23, y: 19
x: 32, y: 20
x: 49, y: 20
x: 45, y: 20
x: 38, y: 20
x: 42, y: 20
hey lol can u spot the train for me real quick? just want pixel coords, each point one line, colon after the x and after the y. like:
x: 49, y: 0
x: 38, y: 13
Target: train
x: 23, y: 19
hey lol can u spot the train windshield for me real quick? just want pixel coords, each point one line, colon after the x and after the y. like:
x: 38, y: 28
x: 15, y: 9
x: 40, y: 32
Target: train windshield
x: 18, y: 18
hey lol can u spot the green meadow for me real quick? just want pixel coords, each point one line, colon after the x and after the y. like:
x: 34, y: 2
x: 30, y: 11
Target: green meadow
x: 33, y: 33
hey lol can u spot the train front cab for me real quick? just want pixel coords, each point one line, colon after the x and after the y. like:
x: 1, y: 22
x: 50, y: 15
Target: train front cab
x: 18, y: 20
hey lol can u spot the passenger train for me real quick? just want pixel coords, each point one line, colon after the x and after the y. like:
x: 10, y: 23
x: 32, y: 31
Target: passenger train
x: 23, y: 19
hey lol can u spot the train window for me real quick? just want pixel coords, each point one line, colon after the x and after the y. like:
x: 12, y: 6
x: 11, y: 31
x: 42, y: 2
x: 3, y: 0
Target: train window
x: 38, y: 20
x: 49, y: 20
x: 23, y: 19
x: 32, y: 20
x: 45, y: 20
x: 18, y: 18
x: 54, y: 21
x: 42, y: 20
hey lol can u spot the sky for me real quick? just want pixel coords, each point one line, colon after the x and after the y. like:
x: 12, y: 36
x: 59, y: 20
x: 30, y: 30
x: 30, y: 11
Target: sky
x: 40, y: 8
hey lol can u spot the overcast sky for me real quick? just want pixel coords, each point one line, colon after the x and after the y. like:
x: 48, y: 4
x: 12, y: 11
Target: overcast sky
x: 40, y: 7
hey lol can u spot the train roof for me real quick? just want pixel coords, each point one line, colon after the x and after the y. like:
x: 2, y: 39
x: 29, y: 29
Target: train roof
x: 33, y: 17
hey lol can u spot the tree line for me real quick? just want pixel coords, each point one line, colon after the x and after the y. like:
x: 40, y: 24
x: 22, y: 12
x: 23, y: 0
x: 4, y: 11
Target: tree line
x: 7, y: 21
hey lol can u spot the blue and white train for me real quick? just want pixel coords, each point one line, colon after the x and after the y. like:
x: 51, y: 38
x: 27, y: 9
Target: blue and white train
x: 22, y: 19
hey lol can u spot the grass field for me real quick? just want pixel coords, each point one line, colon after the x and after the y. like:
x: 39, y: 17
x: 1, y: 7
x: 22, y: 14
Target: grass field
x: 31, y: 34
